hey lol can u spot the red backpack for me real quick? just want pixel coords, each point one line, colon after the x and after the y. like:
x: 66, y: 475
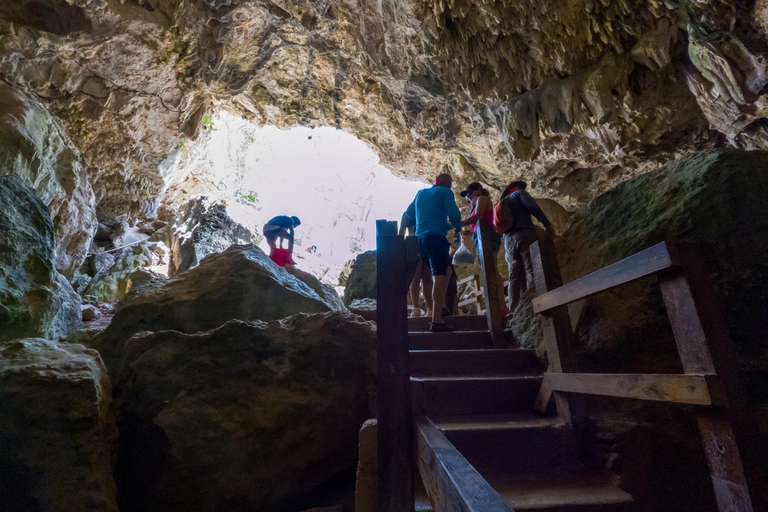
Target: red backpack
x: 499, y: 223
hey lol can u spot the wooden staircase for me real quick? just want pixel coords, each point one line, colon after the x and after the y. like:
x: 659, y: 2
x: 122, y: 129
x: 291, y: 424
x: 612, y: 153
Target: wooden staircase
x: 486, y: 429
x: 474, y: 408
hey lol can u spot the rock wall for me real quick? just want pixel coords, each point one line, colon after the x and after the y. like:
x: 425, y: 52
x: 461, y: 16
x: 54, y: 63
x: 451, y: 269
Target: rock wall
x: 201, y: 229
x: 35, y: 146
x: 57, y: 433
x: 574, y: 97
x: 35, y: 299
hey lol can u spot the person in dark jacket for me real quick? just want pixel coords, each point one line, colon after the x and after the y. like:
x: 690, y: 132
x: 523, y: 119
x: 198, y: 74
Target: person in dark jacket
x: 281, y: 228
x: 517, y: 208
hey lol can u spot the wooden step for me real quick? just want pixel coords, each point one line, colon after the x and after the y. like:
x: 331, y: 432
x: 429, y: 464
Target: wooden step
x: 458, y: 363
x: 515, y: 443
x: 462, y: 323
x: 593, y: 491
x: 472, y: 395
x: 450, y: 340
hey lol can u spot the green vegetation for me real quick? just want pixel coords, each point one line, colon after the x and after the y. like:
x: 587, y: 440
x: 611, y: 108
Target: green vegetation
x: 208, y: 122
x: 183, y: 146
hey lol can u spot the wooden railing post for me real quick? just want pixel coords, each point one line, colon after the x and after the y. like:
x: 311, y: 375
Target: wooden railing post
x: 395, y: 417
x: 555, y: 323
x: 728, y: 434
x: 490, y: 279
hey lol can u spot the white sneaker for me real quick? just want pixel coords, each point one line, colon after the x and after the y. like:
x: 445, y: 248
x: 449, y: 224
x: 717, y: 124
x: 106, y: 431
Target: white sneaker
x: 416, y: 312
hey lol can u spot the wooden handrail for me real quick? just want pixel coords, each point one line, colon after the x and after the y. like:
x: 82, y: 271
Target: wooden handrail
x: 645, y: 263
x: 727, y: 429
x: 451, y: 482
x: 395, y: 418
x: 682, y: 389
x: 490, y: 279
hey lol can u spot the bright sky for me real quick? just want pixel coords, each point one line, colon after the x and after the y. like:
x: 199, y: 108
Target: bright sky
x: 328, y: 178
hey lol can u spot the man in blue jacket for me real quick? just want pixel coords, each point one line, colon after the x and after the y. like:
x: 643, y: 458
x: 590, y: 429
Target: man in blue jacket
x: 431, y: 210
x: 517, y: 207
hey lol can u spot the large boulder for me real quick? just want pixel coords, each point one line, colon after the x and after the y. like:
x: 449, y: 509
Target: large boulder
x: 361, y: 282
x: 203, y: 227
x: 250, y: 416
x: 35, y: 299
x: 35, y: 146
x: 56, y: 432
x: 239, y: 283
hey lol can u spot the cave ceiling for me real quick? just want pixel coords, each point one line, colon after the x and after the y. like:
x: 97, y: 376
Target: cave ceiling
x: 573, y: 95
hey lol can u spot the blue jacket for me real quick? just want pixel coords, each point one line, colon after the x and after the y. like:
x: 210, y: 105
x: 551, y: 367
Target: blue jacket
x: 431, y: 208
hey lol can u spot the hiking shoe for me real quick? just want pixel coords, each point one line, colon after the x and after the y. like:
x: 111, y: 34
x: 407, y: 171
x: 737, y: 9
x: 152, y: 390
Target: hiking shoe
x: 441, y: 327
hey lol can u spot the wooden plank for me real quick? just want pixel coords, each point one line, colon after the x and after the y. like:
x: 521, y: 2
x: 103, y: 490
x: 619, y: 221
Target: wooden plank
x: 556, y: 323
x: 682, y: 389
x: 395, y: 420
x: 465, y: 280
x: 645, y: 263
x: 730, y: 437
x: 577, y: 311
x: 490, y: 279
x: 452, y: 484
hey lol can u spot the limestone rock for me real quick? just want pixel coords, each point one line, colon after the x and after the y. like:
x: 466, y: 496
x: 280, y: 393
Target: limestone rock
x: 239, y: 283
x: 57, y: 435
x: 201, y: 229
x: 116, y: 273
x: 89, y: 312
x: 365, y: 308
x: 35, y: 299
x: 35, y: 146
x: 361, y: 283
x: 325, y: 291
x: 247, y: 416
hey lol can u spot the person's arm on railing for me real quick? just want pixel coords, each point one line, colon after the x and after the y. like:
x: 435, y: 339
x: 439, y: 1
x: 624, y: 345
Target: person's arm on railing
x: 405, y: 223
x: 534, y: 209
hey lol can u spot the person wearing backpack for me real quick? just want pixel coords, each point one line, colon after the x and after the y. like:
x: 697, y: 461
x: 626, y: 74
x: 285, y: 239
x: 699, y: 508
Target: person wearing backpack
x: 513, y: 219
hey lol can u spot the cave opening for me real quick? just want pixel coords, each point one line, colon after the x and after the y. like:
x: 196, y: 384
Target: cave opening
x: 328, y: 178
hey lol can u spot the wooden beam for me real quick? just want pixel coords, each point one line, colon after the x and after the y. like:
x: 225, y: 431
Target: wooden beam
x: 577, y: 311
x: 645, y: 263
x: 678, y: 388
x: 490, y: 279
x: 452, y: 484
x: 556, y: 324
x: 395, y: 419
x: 730, y: 437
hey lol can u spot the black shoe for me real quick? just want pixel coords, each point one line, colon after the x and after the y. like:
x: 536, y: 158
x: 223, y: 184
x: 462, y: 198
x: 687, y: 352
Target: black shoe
x: 441, y: 327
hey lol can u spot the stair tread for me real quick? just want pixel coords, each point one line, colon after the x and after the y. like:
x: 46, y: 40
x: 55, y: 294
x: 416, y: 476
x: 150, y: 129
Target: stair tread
x: 465, y: 322
x: 495, y: 421
x: 557, y: 489
x: 468, y: 351
x: 460, y: 378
